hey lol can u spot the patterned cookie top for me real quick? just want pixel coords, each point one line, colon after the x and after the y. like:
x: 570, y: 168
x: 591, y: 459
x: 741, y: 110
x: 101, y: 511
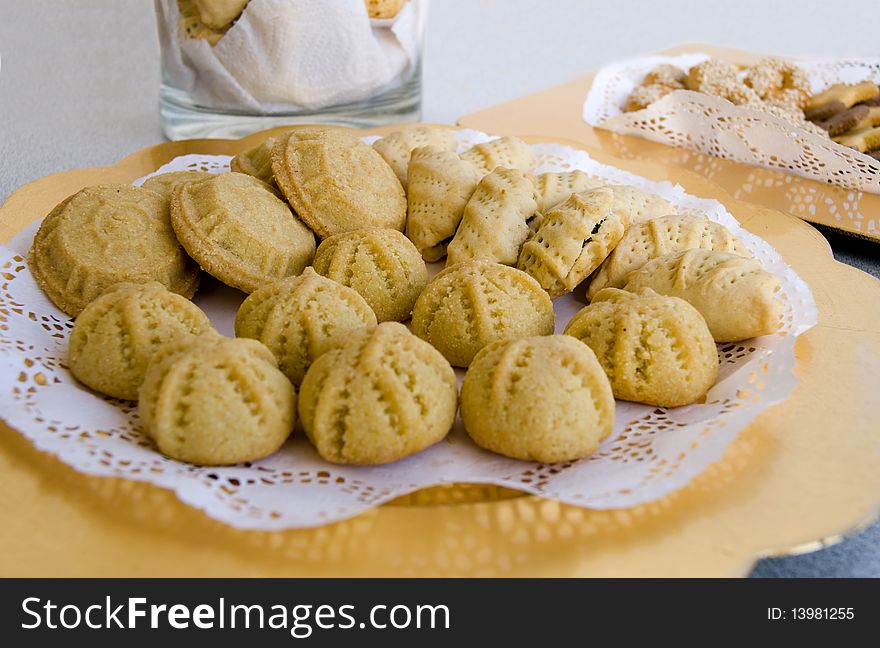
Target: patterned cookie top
x: 657, y: 237
x: 554, y: 187
x: 508, y: 152
x: 395, y: 148
x: 634, y: 206
x: 471, y: 304
x: 377, y: 396
x: 256, y: 161
x: 296, y: 317
x: 655, y: 349
x: 164, y: 184
x: 336, y: 183
x: 240, y: 231
x: 104, y: 235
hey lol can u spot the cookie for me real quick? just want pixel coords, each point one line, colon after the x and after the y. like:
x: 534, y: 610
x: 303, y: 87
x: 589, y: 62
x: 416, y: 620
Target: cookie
x: 494, y: 224
x: 256, y: 161
x: 105, y: 235
x: 838, y: 98
x: 779, y: 82
x: 643, y: 96
x: 220, y: 14
x: 657, y: 237
x: 861, y: 139
x: 667, y: 75
x: 382, y: 265
x: 165, y: 183
x: 440, y: 184
x: 239, y: 231
x: 855, y: 118
x: 212, y: 400
x: 573, y: 239
x: 296, y: 317
x: 508, y: 152
x: 537, y: 399
x: 379, y: 396
x: 115, y: 336
x: 472, y: 304
x: 634, y: 206
x: 396, y: 148
x: 192, y: 26
x: 735, y: 295
x: 655, y: 350
x: 336, y: 183
x: 720, y: 79
x: 554, y: 187
x: 383, y: 9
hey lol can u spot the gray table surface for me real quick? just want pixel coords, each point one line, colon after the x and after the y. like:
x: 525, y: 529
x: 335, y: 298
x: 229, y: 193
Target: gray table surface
x: 79, y: 78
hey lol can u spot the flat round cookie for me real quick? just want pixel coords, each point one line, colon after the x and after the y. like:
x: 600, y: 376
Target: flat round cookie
x: 735, y: 295
x: 472, y: 304
x: 239, y: 231
x: 396, y: 148
x: 116, y: 335
x: 656, y: 350
x: 379, y: 396
x: 336, y: 183
x: 105, y: 235
x: 164, y: 184
x: 256, y: 161
x: 212, y: 400
x: 382, y: 265
x: 537, y: 399
x: 296, y: 317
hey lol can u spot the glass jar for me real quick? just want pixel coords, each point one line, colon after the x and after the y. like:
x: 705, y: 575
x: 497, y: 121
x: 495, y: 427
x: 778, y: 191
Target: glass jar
x: 234, y: 67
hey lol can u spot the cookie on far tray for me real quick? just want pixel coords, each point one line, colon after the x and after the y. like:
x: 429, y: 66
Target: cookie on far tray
x: 212, y: 400
x: 655, y: 349
x: 296, y: 318
x: 541, y: 399
x: 336, y: 183
x: 164, y: 184
x: 395, y: 148
x: 239, y: 231
x: 472, y: 304
x: 382, y: 265
x: 105, y: 235
x: 376, y: 396
x: 117, y: 334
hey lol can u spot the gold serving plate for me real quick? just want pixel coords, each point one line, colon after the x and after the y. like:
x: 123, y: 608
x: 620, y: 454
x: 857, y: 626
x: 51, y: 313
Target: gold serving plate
x: 804, y: 473
x: 557, y: 112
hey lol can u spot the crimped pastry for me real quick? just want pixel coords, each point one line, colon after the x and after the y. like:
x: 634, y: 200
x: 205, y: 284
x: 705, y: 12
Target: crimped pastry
x: 495, y: 223
x: 239, y: 231
x: 572, y: 240
x: 256, y: 161
x: 440, y: 184
x: 378, y: 396
x: 396, y: 148
x: 115, y: 336
x: 105, y: 235
x: 297, y: 316
x: 212, y: 400
x: 508, y: 152
x: 538, y: 399
x: 735, y: 295
x: 634, y: 206
x: 657, y: 237
x: 472, y: 304
x: 164, y: 184
x: 336, y: 183
x: 656, y: 350
x: 554, y: 187
x: 382, y: 265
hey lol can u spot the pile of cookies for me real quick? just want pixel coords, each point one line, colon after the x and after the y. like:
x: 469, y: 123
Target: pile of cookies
x: 773, y: 85
x: 850, y: 114
x: 329, y: 237
x: 211, y: 19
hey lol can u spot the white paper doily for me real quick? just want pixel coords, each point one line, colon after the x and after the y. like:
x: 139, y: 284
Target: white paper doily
x: 651, y: 452
x: 715, y: 126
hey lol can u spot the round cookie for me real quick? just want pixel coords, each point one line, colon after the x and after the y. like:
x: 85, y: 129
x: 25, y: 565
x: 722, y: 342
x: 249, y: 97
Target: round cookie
x: 297, y: 316
x: 537, y: 399
x: 115, y: 336
x: 475, y: 303
x: 656, y: 350
x: 212, y: 400
x: 105, y: 235
x: 336, y: 183
x: 164, y: 184
x: 239, y: 231
x: 378, y: 396
x: 382, y: 265
x: 256, y: 161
